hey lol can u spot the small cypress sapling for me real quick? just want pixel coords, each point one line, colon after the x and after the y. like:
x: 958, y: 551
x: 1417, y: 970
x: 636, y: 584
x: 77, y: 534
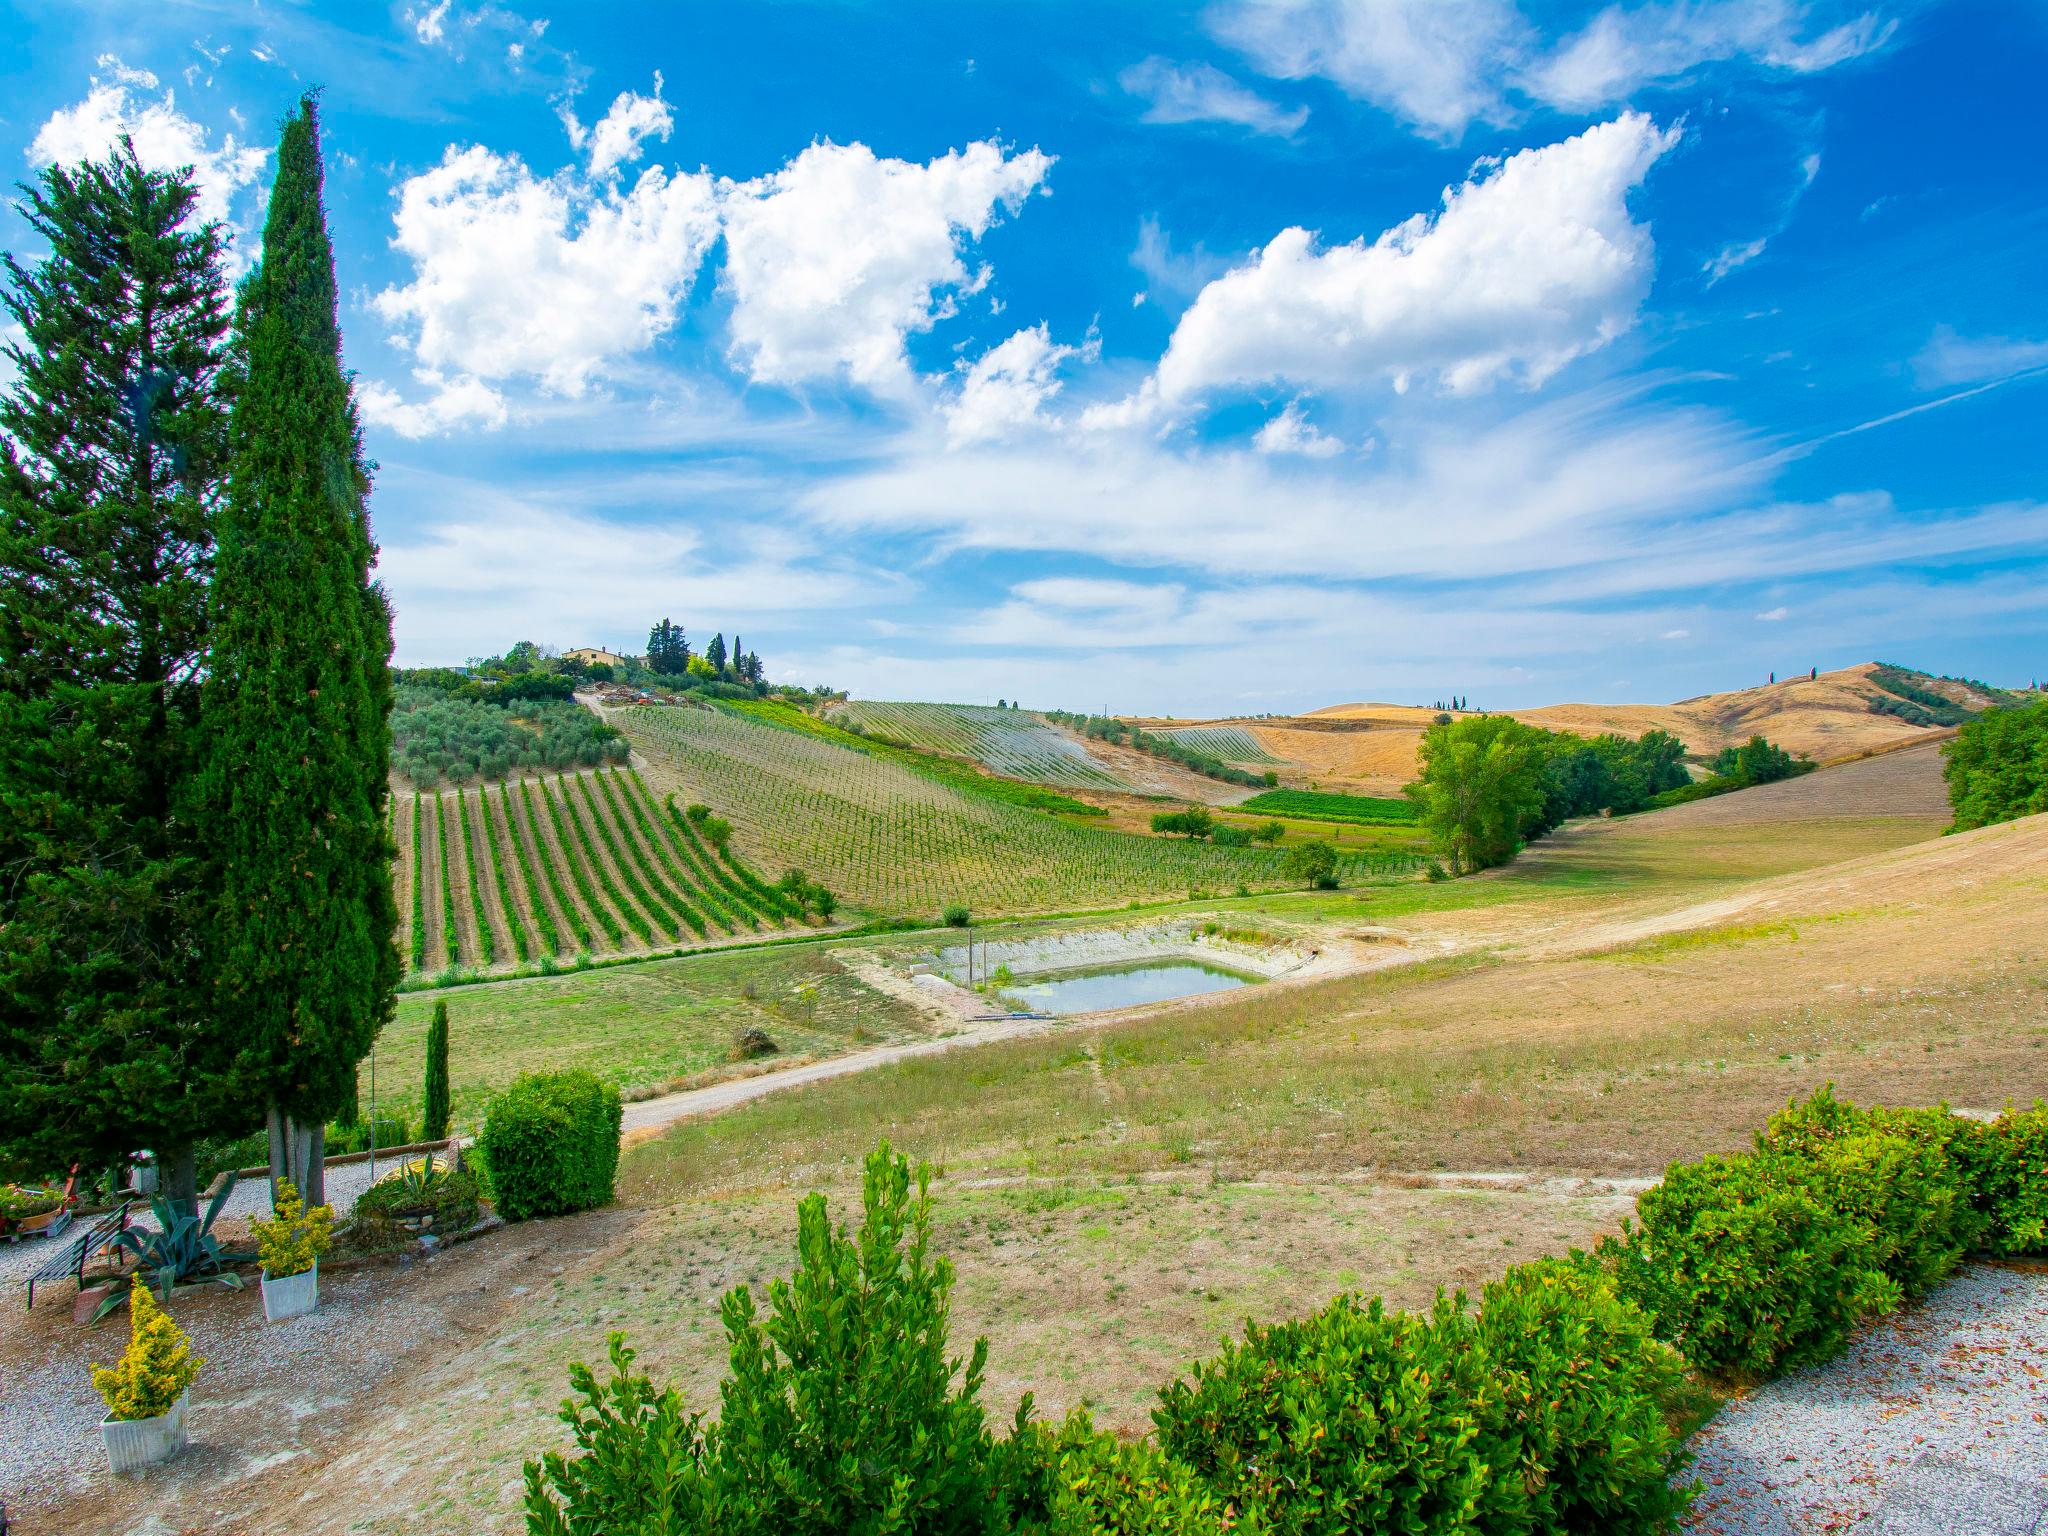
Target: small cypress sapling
x: 434, y: 1113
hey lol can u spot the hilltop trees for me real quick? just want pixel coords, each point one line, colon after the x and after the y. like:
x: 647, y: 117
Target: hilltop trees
x: 113, y: 443
x: 668, y: 652
x: 298, y: 700
x: 714, y: 654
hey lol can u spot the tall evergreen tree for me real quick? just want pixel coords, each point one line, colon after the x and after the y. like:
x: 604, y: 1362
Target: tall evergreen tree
x: 298, y: 700
x: 113, y: 442
x: 668, y: 651
x: 434, y: 1094
x: 715, y: 653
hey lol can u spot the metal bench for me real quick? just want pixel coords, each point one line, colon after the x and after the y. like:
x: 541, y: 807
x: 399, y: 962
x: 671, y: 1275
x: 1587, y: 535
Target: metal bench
x: 72, y: 1258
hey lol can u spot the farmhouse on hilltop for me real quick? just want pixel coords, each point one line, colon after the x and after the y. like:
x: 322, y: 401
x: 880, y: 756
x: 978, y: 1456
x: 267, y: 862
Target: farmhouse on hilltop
x: 591, y: 656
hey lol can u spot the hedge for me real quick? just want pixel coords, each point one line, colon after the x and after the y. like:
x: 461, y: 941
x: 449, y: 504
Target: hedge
x: 550, y: 1144
x: 1552, y: 1410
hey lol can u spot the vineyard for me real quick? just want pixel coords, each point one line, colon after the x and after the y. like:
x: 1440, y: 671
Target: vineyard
x: 1325, y: 806
x: 511, y: 875
x: 1010, y: 742
x: 896, y: 841
x: 1231, y: 743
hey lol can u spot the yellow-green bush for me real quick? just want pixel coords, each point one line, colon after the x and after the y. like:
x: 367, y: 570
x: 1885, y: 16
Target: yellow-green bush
x: 155, y: 1369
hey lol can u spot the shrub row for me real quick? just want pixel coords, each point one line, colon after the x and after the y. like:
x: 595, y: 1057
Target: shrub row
x: 1551, y: 1410
x: 1758, y: 1263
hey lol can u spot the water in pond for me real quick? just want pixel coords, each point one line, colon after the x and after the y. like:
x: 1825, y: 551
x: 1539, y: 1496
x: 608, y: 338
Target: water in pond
x: 1125, y: 987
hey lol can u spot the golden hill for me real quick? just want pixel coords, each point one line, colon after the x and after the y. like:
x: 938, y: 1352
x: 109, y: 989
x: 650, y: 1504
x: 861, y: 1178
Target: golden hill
x: 1371, y: 747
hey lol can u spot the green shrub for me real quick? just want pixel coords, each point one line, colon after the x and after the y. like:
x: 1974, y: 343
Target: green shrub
x: 955, y: 916
x: 1355, y: 1419
x: 1102, y: 1486
x: 1997, y: 766
x: 2006, y: 1164
x: 1584, y: 1386
x: 551, y: 1142
x: 843, y: 1411
x: 1744, y: 1272
x: 1890, y: 1170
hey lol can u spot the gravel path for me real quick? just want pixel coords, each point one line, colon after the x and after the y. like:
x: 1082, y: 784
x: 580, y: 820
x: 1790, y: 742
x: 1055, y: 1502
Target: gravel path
x: 18, y: 1256
x: 1934, y: 1423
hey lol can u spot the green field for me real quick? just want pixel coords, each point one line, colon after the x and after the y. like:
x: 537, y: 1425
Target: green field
x: 1011, y: 742
x: 897, y: 841
x: 1314, y: 805
x: 639, y: 1026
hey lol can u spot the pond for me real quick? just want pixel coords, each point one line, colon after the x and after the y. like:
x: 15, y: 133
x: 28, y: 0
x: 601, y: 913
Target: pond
x: 1121, y: 987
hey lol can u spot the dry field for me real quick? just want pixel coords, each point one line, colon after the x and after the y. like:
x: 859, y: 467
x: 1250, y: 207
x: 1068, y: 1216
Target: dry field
x: 1118, y: 1197
x: 1827, y: 718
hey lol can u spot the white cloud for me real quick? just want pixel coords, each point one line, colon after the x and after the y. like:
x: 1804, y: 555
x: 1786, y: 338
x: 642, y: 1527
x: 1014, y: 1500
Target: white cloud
x: 515, y: 275
x: 429, y: 23
x: 1621, y: 50
x: 1292, y: 432
x: 1773, y: 615
x: 1441, y: 65
x: 1677, y: 634
x: 623, y: 130
x: 1004, y: 390
x: 1950, y: 358
x: 1448, y: 495
x: 1531, y: 264
x: 1202, y: 93
x: 1729, y: 257
x: 452, y: 403
x: 1179, y: 274
x: 834, y: 259
x: 121, y: 101
x: 1433, y: 63
x: 492, y: 569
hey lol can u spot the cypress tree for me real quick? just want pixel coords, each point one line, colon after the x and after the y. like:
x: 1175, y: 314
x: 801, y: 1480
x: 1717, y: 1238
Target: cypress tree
x: 434, y: 1101
x: 298, y: 700
x: 113, y: 441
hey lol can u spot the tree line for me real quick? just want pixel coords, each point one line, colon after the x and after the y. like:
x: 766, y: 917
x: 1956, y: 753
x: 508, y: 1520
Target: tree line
x: 1489, y: 784
x: 196, y: 910
x: 1121, y: 733
x: 669, y: 655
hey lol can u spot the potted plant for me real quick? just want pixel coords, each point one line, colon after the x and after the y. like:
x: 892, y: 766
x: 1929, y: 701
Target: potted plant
x: 289, y: 1245
x: 27, y: 1209
x: 145, y: 1390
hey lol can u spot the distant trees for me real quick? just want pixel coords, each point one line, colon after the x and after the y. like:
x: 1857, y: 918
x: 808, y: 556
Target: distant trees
x: 714, y: 653
x: 1313, y: 863
x: 668, y: 652
x: 1195, y: 821
x: 1757, y: 761
x: 1997, y: 766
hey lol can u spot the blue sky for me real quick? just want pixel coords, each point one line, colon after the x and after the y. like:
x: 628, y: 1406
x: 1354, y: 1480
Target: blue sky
x: 1223, y: 358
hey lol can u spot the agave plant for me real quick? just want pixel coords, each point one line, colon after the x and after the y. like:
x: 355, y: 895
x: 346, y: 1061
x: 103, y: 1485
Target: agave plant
x: 182, y: 1250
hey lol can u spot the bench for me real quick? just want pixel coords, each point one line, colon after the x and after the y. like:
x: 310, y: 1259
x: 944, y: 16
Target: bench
x: 82, y: 1250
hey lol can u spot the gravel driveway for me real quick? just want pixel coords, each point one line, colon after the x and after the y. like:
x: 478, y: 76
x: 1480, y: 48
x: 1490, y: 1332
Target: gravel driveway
x: 1934, y: 1423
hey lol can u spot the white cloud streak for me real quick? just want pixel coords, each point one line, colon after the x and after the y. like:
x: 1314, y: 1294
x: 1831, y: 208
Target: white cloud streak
x: 1202, y: 93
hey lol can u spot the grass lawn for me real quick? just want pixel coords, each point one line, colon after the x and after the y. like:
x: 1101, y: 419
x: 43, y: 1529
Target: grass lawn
x: 640, y: 1026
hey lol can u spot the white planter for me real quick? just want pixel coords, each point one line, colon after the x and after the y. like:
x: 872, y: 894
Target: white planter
x: 133, y: 1444
x: 293, y: 1296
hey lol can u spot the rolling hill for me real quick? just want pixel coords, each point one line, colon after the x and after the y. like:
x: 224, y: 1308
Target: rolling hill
x: 1867, y: 708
